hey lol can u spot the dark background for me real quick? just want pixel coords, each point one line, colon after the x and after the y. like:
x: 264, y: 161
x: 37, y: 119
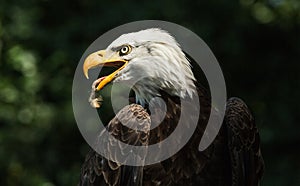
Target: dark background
x: 257, y: 44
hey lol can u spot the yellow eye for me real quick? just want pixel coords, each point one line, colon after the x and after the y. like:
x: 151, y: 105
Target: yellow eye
x: 125, y: 50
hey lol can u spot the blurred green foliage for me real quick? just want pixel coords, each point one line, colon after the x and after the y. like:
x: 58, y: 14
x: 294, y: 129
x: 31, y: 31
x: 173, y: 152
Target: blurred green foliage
x: 257, y: 44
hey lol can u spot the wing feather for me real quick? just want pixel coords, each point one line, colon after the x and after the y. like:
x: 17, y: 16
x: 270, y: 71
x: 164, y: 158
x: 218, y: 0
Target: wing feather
x: 97, y: 170
x: 244, y: 144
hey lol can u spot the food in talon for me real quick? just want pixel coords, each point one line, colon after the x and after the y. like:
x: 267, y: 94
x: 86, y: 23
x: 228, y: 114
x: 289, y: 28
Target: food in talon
x: 95, y: 99
x: 96, y: 102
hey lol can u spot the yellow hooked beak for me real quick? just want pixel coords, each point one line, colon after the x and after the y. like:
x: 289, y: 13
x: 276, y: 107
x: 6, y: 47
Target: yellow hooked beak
x: 97, y: 59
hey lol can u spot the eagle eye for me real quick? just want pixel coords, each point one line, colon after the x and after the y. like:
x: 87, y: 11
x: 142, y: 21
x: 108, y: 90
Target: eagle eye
x: 125, y: 50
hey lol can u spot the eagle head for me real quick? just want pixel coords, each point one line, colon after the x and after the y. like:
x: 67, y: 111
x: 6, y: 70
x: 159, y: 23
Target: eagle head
x: 149, y: 59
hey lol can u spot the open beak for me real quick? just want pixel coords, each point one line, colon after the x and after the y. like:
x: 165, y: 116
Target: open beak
x: 98, y: 59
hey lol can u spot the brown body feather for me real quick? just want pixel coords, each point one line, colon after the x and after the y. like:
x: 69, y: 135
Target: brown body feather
x: 234, y: 158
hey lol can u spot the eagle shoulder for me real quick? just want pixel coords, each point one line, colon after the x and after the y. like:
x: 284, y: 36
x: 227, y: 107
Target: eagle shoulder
x: 131, y: 126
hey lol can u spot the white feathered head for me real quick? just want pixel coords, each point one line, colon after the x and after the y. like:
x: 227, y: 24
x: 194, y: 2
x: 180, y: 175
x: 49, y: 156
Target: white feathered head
x: 151, y: 58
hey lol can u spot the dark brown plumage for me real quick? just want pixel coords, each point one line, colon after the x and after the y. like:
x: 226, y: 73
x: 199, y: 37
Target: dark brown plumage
x: 99, y: 171
x: 234, y: 158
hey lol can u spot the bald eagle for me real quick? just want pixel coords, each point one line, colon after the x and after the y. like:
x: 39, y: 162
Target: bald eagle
x: 155, y: 58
